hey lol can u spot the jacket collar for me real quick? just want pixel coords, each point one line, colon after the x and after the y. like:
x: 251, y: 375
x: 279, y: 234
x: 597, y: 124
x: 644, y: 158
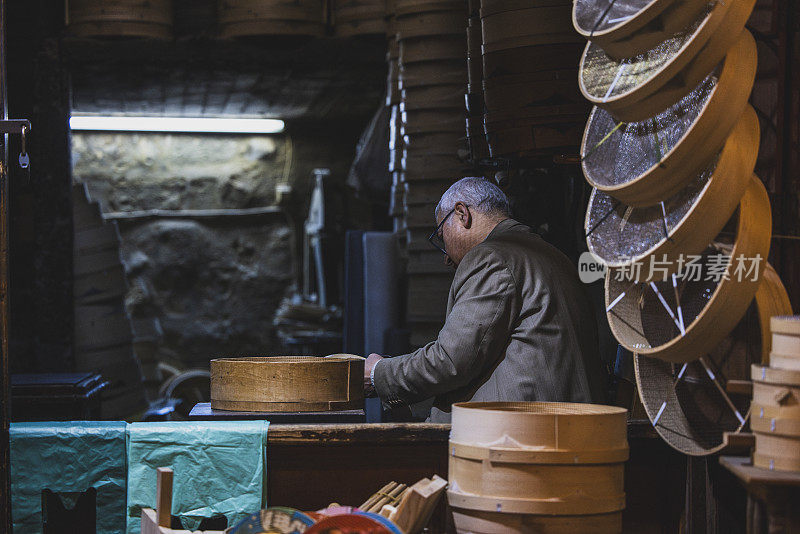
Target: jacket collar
x: 507, y: 225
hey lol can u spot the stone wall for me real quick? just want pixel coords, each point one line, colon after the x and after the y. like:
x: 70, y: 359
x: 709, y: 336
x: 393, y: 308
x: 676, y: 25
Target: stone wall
x: 213, y: 283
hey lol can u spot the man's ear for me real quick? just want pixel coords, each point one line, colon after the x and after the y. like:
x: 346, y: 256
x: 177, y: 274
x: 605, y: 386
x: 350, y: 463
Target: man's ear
x: 463, y: 215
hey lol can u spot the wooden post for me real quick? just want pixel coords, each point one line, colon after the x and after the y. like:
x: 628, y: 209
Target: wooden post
x: 164, y: 496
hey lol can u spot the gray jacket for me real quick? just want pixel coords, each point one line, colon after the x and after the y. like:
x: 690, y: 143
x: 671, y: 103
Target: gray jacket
x: 519, y: 327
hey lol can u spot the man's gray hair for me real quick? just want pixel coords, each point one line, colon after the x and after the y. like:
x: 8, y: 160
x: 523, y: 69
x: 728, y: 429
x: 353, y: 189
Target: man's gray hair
x: 478, y: 193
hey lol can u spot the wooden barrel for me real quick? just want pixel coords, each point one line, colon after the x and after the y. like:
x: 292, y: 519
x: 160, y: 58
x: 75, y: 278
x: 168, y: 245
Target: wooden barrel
x: 431, y: 24
x: 554, y: 461
x: 120, y: 18
x: 637, y: 313
x: 432, y: 48
x: 359, y: 17
x: 244, y: 18
x: 786, y: 342
x: 474, y: 43
x: 623, y: 32
x: 427, y: 295
x: 476, y: 139
x: 637, y: 88
x: 426, y: 192
x: 688, y: 221
x: 521, y: 92
x: 533, y: 136
x: 514, y: 24
x: 433, y: 120
x: 775, y: 418
x: 395, y: 200
x: 524, y: 59
x: 287, y: 384
x: 427, y: 262
x: 393, y: 96
x: 407, y: 7
x: 688, y: 135
x: 433, y: 96
x: 433, y: 73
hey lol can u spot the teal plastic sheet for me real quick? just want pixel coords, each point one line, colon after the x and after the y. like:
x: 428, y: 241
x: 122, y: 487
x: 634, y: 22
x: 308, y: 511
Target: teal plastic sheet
x: 68, y: 458
x: 219, y: 468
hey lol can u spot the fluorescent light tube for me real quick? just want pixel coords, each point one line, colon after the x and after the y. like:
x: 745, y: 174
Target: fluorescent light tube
x: 175, y: 124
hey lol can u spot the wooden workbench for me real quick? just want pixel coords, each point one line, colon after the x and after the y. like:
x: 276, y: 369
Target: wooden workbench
x: 311, y: 465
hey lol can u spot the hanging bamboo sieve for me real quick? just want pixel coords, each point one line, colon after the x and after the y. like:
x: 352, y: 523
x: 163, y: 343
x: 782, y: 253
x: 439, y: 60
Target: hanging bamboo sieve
x: 245, y: 18
x: 120, y: 18
x: 649, y: 320
x: 639, y: 87
x: 514, y: 462
x: 287, y: 383
x: 690, y: 407
x: 629, y: 27
x: 684, y: 223
x: 642, y: 163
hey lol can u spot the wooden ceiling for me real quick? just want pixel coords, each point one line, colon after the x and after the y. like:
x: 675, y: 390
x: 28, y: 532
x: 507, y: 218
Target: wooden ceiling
x: 320, y: 79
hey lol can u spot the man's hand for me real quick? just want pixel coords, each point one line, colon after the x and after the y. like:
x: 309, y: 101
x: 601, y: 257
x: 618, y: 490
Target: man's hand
x: 369, y: 364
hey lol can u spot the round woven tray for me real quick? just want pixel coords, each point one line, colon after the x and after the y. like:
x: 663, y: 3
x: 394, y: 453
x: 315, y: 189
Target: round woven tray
x: 684, y: 223
x: 642, y: 163
x: 690, y: 412
x: 639, y: 87
x: 682, y: 320
x: 629, y: 27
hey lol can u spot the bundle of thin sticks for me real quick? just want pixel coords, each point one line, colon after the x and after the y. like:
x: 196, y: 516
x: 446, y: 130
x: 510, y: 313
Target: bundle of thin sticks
x: 410, y: 508
x: 392, y: 493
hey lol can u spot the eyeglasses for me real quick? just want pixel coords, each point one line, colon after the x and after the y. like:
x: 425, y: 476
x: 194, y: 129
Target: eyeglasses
x: 435, y: 238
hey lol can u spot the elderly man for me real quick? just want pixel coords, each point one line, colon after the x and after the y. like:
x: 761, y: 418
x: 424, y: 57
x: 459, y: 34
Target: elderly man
x: 518, y: 327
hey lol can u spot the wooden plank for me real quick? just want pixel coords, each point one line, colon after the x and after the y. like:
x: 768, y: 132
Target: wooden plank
x: 164, y: 496
x: 375, y: 433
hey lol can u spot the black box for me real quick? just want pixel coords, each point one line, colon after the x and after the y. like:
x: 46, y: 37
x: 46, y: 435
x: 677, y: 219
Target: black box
x: 56, y: 396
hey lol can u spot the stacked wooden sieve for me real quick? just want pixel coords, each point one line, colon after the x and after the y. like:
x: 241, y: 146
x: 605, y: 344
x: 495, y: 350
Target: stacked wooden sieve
x: 775, y: 410
x: 475, y: 107
x: 358, y: 17
x: 429, y: 151
x: 520, y: 467
x: 528, y: 79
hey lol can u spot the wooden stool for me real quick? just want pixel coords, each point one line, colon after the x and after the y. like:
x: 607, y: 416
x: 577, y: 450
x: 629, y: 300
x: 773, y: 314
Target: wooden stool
x: 772, y: 496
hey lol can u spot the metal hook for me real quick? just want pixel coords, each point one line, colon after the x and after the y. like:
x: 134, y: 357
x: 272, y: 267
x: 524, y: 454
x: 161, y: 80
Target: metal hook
x: 24, y: 159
